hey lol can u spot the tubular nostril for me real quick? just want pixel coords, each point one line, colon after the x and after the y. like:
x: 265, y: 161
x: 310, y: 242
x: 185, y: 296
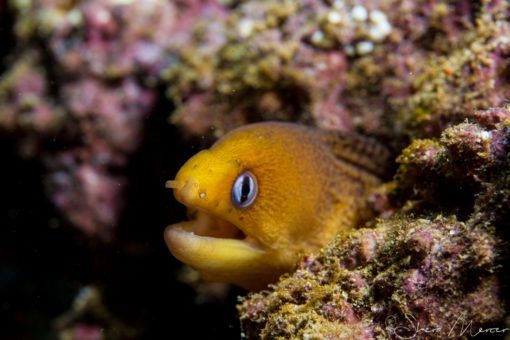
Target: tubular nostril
x: 173, y: 184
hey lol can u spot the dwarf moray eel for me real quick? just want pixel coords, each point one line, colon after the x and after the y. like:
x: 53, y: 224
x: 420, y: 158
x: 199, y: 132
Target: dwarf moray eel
x: 266, y: 194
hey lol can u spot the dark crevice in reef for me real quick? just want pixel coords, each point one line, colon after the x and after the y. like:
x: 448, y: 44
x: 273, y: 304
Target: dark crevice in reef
x: 166, y: 305
x: 44, y: 262
x: 40, y: 260
x: 6, y: 33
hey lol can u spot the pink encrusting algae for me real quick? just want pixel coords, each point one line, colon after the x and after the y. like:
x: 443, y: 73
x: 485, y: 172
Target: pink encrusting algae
x: 434, y: 265
x: 428, y: 78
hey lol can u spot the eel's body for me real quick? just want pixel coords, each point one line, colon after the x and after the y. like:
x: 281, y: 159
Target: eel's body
x: 266, y: 194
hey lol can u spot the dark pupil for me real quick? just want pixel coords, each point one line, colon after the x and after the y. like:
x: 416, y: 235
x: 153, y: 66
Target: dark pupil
x: 245, y: 189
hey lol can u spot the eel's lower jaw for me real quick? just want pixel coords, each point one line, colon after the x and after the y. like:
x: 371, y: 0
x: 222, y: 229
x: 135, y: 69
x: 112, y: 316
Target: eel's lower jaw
x: 218, y: 254
x: 207, y: 252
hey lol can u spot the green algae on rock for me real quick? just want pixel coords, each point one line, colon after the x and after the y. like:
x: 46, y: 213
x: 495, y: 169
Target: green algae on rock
x: 396, y: 68
x: 26, y: 111
x: 435, y: 265
x: 469, y: 76
x: 460, y: 170
x: 385, y: 282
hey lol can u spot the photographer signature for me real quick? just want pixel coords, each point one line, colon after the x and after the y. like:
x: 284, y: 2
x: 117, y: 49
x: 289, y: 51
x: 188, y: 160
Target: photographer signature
x: 411, y: 328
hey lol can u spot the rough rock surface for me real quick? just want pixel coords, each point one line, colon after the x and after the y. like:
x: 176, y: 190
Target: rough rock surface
x: 432, y: 269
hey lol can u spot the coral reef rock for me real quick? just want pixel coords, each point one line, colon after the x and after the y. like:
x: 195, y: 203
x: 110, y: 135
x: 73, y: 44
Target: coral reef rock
x: 90, y: 72
x: 397, y: 68
x: 431, y: 270
x: 77, y: 89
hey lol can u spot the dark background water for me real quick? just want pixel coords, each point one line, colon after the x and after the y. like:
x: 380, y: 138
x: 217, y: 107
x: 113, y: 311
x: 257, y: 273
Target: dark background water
x: 44, y: 261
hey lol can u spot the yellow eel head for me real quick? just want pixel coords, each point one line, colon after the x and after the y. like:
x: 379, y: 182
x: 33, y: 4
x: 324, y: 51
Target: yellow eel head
x: 266, y: 194
x: 245, y: 201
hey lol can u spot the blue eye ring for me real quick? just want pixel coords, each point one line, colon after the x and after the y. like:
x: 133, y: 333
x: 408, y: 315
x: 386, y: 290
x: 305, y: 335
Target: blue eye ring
x: 244, y: 190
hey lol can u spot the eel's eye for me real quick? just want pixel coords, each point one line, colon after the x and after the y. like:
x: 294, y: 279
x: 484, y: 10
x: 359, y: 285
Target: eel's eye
x: 244, y: 190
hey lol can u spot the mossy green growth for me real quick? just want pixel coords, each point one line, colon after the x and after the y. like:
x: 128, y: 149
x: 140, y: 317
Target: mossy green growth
x: 459, y: 80
x: 435, y: 264
x: 372, y: 282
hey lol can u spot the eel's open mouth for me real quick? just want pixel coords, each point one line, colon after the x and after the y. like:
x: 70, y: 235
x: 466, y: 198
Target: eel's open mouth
x: 206, y: 224
x: 211, y: 244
